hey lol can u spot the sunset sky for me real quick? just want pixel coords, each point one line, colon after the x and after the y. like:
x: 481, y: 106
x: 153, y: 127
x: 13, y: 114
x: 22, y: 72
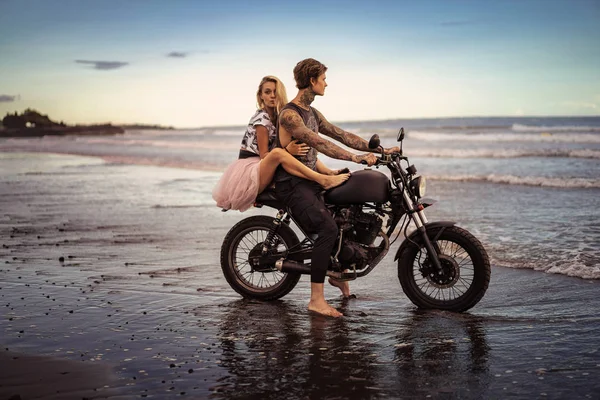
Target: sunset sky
x: 197, y: 63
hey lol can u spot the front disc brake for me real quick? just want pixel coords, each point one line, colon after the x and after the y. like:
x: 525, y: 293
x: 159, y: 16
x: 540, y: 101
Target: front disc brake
x: 447, y: 277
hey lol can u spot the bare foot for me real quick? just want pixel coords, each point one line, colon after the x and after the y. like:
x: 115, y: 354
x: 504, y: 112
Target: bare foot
x: 331, y: 181
x: 324, y: 309
x: 342, y: 285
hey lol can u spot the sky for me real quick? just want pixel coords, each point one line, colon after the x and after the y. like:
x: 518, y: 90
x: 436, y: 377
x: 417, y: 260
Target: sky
x: 198, y: 63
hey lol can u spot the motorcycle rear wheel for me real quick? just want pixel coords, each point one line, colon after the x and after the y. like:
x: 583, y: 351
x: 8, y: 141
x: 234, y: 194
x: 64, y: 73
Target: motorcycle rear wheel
x: 465, y: 272
x: 246, y: 239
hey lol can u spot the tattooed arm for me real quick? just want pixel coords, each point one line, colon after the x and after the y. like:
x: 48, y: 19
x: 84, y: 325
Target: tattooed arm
x: 349, y: 139
x: 294, y: 125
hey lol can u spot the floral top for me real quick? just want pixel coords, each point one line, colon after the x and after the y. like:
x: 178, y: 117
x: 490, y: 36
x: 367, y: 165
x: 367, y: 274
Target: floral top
x: 250, y: 141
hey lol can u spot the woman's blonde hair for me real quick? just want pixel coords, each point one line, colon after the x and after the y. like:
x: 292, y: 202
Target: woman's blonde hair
x: 280, y: 94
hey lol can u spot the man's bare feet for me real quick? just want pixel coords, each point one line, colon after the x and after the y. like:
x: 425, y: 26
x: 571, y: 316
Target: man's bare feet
x: 331, y: 181
x: 344, y: 286
x: 321, y: 307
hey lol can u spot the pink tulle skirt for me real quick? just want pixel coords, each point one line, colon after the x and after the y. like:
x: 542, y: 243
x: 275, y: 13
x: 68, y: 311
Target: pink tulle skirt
x: 238, y: 187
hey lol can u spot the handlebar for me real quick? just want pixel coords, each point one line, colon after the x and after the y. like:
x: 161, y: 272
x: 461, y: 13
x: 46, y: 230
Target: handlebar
x: 385, y: 159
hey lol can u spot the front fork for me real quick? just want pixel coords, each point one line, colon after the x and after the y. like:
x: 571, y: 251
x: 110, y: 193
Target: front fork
x: 418, y: 217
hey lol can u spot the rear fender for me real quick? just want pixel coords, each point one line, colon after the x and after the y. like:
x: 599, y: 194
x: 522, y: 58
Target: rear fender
x: 416, y: 235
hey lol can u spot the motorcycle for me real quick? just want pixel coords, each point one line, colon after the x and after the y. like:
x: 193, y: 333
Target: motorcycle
x: 440, y: 265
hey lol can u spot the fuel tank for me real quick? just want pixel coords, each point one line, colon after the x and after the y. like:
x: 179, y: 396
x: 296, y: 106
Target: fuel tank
x: 366, y: 186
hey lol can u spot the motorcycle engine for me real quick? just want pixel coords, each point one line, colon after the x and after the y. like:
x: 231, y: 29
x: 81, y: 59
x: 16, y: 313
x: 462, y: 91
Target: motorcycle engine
x: 357, y: 225
x: 360, y: 230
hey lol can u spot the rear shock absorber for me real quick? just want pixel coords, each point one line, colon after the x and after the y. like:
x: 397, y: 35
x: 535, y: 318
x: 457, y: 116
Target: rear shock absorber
x: 270, y: 239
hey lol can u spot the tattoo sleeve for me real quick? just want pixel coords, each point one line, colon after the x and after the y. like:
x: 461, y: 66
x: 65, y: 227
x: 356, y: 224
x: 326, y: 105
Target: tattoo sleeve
x: 349, y: 139
x: 293, y: 124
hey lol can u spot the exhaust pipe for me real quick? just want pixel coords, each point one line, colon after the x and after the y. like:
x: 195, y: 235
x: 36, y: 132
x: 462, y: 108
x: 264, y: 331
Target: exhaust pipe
x: 292, y: 266
x: 304, y: 269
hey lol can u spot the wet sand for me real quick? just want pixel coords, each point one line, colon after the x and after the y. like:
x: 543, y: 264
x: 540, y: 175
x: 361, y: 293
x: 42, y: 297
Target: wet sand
x: 28, y: 377
x: 110, y: 276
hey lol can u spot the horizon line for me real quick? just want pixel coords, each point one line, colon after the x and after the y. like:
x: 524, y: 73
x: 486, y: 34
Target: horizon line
x: 174, y: 127
x: 419, y: 118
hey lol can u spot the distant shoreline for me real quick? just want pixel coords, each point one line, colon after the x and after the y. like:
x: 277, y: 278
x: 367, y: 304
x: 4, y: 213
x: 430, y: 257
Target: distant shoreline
x: 101, y: 129
x: 106, y: 129
x: 31, y: 123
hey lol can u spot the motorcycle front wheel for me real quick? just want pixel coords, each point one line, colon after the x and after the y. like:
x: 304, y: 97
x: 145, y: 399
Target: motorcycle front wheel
x: 464, y: 277
x: 244, y: 242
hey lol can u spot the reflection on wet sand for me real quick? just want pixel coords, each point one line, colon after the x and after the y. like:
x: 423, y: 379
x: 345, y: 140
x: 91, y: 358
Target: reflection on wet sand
x: 440, y: 353
x: 271, y: 350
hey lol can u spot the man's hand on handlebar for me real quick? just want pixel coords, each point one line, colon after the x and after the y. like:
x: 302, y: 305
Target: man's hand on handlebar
x: 391, y: 150
x: 368, y: 159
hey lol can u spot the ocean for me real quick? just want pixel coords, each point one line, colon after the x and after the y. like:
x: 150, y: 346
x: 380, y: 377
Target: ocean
x: 527, y: 187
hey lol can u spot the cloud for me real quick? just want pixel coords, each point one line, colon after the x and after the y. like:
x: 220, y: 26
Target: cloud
x: 177, y: 54
x: 103, y: 65
x: 184, y: 54
x: 6, y: 98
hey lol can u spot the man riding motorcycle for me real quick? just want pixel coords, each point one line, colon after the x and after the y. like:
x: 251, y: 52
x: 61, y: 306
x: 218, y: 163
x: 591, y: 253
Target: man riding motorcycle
x: 299, y: 121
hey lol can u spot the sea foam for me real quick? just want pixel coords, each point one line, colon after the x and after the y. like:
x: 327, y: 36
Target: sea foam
x: 523, y: 180
x: 536, y: 136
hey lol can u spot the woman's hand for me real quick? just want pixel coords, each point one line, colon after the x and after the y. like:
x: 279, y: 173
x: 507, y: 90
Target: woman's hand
x: 297, y: 149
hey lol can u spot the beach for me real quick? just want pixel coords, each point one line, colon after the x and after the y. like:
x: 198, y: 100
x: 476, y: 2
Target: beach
x: 110, y: 276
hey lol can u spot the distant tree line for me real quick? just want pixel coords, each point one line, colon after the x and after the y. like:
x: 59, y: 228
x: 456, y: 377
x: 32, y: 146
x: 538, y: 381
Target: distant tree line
x: 33, y: 119
x: 29, y: 118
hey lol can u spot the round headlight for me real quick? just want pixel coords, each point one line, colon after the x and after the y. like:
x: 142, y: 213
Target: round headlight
x: 418, y: 186
x: 422, y: 186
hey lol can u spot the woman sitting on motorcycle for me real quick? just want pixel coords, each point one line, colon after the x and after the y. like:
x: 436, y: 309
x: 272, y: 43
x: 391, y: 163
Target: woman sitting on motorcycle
x: 258, y: 160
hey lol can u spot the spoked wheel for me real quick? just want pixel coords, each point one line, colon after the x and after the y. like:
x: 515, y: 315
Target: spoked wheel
x: 250, y: 271
x: 464, y: 276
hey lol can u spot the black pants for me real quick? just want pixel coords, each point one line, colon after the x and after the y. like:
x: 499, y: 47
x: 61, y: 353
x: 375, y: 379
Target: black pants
x: 307, y: 206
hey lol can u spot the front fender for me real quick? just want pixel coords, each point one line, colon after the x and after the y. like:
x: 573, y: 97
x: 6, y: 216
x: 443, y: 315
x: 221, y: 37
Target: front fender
x: 416, y: 235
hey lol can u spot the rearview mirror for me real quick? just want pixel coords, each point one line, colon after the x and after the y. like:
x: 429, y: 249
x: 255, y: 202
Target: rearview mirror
x: 374, y: 142
x: 400, y: 135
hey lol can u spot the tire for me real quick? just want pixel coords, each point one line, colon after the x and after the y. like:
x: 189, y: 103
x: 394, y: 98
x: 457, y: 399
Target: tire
x: 247, y: 237
x: 466, y: 271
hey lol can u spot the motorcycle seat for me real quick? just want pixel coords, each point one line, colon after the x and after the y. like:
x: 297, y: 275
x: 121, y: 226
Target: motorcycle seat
x: 267, y: 197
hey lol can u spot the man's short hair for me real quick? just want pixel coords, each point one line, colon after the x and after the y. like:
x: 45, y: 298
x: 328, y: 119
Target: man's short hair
x: 306, y: 69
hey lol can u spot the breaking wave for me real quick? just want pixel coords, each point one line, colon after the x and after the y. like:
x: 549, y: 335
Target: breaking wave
x: 566, y: 128
x: 503, y: 153
x: 587, y: 183
x: 535, y: 136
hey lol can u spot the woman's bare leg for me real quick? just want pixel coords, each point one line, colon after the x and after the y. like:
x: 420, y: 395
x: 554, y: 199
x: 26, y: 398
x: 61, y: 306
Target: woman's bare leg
x: 269, y: 164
